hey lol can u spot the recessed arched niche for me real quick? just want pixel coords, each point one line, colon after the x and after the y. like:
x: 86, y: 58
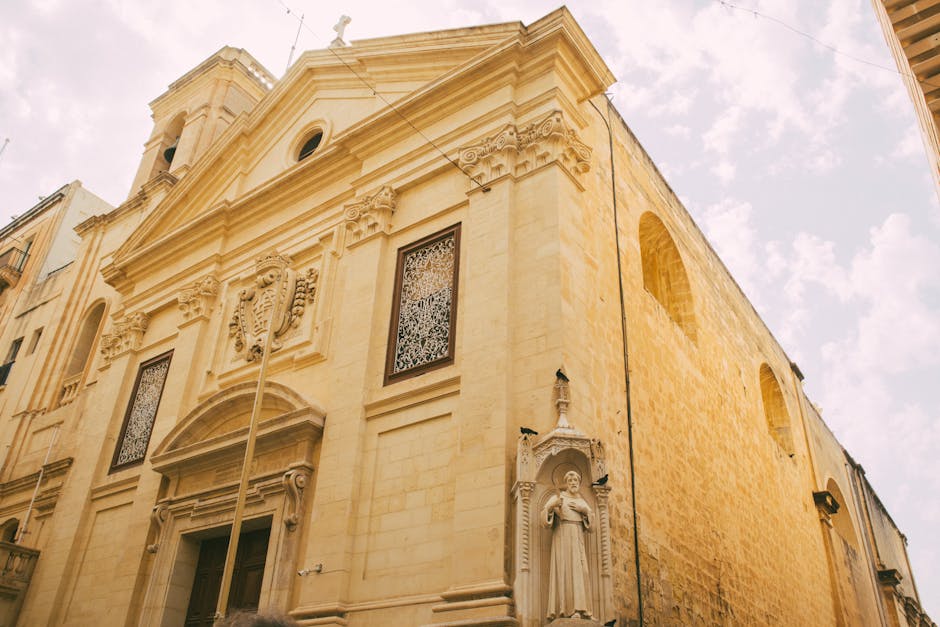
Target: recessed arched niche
x: 664, y: 274
x: 775, y: 410
x: 554, y: 520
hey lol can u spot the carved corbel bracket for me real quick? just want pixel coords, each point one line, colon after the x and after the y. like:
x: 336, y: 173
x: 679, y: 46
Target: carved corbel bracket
x: 158, y: 517
x: 126, y: 335
x: 826, y: 505
x: 196, y: 300
x: 519, y: 150
x: 370, y: 215
x: 295, y: 483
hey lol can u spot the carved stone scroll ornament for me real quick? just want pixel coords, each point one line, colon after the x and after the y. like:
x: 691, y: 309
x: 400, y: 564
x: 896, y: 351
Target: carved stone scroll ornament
x: 158, y: 517
x: 126, y: 335
x: 295, y: 482
x: 196, y: 300
x: 278, y: 292
x: 518, y: 150
x: 370, y: 215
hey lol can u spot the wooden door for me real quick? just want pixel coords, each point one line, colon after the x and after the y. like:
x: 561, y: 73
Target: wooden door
x: 246, y: 578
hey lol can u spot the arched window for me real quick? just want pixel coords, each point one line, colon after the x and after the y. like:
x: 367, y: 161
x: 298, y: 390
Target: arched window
x: 171, y: 138
x: 775, y: 409
x: 842, y: 520
x: 86, y: 340
x: 664, y: 273
x: 81, y: 353
x: 310, y: 144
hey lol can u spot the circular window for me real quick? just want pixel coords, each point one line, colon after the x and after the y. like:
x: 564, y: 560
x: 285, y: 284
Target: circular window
x: 310, y: 145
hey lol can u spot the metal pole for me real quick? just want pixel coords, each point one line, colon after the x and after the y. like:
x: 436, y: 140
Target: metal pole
x: 32, y: 501
x: 246, y: 465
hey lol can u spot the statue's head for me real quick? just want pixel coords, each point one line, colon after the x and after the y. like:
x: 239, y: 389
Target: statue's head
x: 572, y: 480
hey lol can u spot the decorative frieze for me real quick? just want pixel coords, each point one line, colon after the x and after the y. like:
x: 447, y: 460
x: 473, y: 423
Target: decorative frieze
x: 276, y: 301
x: 517, y: 150
x: 126, y: 335
x: 370, y: 215
x: 196, y: 301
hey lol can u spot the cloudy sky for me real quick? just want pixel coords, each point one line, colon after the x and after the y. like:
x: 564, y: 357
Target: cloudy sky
x: 803, y: 166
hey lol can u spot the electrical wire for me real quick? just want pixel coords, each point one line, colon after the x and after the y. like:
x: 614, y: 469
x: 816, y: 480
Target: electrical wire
x: 391, y: 106
x: 830, y: 47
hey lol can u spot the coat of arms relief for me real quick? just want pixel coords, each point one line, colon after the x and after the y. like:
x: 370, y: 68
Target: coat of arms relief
x: 275, y: 302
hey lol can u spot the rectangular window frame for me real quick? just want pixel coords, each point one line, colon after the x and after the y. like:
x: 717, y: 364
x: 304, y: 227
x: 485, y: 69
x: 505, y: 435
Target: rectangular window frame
x: 168, y: 356
x: 394, y: 377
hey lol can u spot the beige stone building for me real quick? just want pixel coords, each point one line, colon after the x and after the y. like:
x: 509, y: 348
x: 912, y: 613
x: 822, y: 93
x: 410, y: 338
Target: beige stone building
x: 423, y: 244
x: 912, y: 30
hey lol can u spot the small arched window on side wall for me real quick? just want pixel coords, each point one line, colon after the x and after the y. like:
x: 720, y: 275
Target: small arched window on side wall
x: 81, y: 352
x: 664, y: 274
x: 775, y: 410
x: 842, y: 520
x: 310, y: 143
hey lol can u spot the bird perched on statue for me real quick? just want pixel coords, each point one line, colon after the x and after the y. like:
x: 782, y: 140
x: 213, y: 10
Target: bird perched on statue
x: 561, y: 375
x: 527, y: 431
x: 601, y: 481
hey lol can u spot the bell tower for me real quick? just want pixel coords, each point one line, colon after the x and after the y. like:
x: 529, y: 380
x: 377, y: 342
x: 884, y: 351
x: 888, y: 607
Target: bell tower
x: 196, y: 109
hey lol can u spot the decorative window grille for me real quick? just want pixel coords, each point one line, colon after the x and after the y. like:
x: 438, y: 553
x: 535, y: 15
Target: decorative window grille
x: 138, y: 420
x: 424, y: 309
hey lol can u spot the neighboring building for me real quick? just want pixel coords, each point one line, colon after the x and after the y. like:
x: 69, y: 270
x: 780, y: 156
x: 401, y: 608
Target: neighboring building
x: 424, y: 271
x: 912, y: 30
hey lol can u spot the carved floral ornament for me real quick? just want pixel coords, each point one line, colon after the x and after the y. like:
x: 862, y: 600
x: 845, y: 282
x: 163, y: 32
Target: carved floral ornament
x: 127, y: 334
x: 196, y: 300
x: 278, y: 292
x: 518, y: 150
x: 370, y: 215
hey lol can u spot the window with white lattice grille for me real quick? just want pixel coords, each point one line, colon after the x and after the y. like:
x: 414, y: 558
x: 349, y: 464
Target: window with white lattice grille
x: 424, y: 306
x: 141, y: 412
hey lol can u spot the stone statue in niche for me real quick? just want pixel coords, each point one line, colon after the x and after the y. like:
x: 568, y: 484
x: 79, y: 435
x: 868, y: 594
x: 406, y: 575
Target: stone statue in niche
x: 569, y: 585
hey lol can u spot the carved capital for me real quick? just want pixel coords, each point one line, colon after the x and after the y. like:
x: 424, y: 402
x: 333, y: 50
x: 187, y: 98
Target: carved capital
x: 277, y: 301
x: 126, y: 335
x: 518, y: 150
x: 295, y: 482
x: 196, y: 300
x: 370, y: 215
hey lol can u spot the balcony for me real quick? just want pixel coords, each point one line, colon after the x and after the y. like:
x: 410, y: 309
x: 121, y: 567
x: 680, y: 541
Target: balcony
x: 16, y: 568
x: 11, y: 267
x: 69, y: 388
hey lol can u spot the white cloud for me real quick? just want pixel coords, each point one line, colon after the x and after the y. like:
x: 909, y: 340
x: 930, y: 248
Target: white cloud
x: 728, y: 226
x: 724, y: 170
x: 678, y: 130
x: 718, y: 138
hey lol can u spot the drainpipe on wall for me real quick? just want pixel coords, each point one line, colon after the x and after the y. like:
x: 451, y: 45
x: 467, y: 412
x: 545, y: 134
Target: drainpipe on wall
x: 626, y: 360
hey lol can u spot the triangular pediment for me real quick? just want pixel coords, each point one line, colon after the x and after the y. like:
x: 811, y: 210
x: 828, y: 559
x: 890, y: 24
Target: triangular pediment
x: 359, y: 97
x: 329, y: 88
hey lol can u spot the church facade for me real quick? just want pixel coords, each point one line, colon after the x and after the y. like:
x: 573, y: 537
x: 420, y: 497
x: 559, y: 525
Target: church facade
x: 504, y: 379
